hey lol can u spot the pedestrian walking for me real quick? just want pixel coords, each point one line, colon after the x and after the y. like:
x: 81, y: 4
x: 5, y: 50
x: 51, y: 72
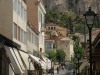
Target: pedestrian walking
x: 57, y: 70
x: 52, y: 71
x: 63, y: 67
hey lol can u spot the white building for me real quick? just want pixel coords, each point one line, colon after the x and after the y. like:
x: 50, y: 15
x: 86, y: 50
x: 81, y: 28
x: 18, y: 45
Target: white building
x: 13, y: 22
x: 67, y: 44
x: 41, y: 22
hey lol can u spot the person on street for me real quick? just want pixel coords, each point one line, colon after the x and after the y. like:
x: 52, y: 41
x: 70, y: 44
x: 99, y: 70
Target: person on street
x: 57, y: 70
x: 52, y: 71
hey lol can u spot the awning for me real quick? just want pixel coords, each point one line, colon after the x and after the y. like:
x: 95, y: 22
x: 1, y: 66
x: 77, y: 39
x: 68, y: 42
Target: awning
x: 39, y: 61
x: 15, y: 59
x: 25, y: 57
x: 83, y: 65
x: 47, y: 61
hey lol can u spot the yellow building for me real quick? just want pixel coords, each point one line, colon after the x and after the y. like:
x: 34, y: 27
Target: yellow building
x: 59, y: 35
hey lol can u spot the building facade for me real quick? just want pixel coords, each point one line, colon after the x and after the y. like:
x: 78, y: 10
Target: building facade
x: 56, y: 38
x: 13, y: 22
x: 20, y: 35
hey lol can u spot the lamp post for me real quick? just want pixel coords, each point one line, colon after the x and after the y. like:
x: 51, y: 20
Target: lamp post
x: 29, y: 60
x: 75, y: 67
x: 90, y: 18
x: 78, y: 56
x: 51, y: 66
x: 40, y: 70
x: 47, y: 66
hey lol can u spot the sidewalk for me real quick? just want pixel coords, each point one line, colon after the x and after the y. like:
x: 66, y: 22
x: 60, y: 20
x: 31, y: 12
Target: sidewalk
x: 61, y: 72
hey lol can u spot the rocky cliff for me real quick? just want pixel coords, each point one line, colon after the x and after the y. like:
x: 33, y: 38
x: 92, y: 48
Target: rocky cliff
x: 56, y: 4
x: 75, y: 5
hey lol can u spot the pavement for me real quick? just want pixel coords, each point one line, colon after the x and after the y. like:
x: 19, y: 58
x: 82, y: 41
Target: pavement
x: 67, y: 71
x: 61, y: 72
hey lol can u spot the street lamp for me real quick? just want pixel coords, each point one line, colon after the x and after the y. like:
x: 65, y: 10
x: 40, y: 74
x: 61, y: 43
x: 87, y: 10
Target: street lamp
x: 40, y: 70
x: 29, y: 60
x: 90, y: 18
x: 78, y: 56
x: 51, y: 67
x: 47, y: 66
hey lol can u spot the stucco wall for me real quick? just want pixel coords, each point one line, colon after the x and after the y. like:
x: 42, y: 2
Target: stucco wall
x: 6, y: 19
x: 32, y: 12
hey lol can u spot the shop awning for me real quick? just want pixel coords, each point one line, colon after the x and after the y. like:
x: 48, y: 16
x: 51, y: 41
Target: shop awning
x: 39, y: 61
x: 47, y: 61
x: 82, y: 66
x: 25, y: 57
x: 15, y: 59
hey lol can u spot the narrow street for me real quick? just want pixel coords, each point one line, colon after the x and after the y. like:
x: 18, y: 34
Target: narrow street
x: 61, y: 72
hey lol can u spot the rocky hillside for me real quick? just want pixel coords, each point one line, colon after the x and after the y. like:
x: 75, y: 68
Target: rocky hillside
x: 73, y: 5
x: 83, y: 5
x: 56, y: 4
x: 70, y: 12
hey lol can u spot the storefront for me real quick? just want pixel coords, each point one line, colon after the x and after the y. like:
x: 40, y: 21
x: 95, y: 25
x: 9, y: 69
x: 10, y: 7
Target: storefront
x: 39, y: 64
x: 96, y: 55
x: 13, y: 61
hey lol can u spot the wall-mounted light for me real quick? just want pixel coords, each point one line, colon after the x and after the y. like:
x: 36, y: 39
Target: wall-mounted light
x: 29, y: 60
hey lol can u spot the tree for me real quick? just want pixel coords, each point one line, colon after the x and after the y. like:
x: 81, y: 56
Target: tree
x: 76, y: 39
x: 80, y: 49
x: 51, y: 54
x: 60, y: 55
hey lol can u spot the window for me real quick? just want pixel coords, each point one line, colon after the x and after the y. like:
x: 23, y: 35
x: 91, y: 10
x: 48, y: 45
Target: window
x: 36, y: 40
x: 24, y: 37
x: 41, y: 20
x: 49, y: 46
x: 25, y: 15
x: 19, y: 8
x: 48, y: 28
x: 51, y: 28
x: 18, y: 35
x: 28, y: 34
x: 54, y: 28
x: 22, y: 11
x: 33, y: 38
x: 21, y: 33
x: 15, y: 30
x: 14, y: 3
x: 39, y: 17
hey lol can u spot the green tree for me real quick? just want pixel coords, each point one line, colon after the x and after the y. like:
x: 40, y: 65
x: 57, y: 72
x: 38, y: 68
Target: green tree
x: 66, y: 19
x: 51, y: 54
x: 60, y: 55
x: 76, y: 39
x: 80, y: 49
